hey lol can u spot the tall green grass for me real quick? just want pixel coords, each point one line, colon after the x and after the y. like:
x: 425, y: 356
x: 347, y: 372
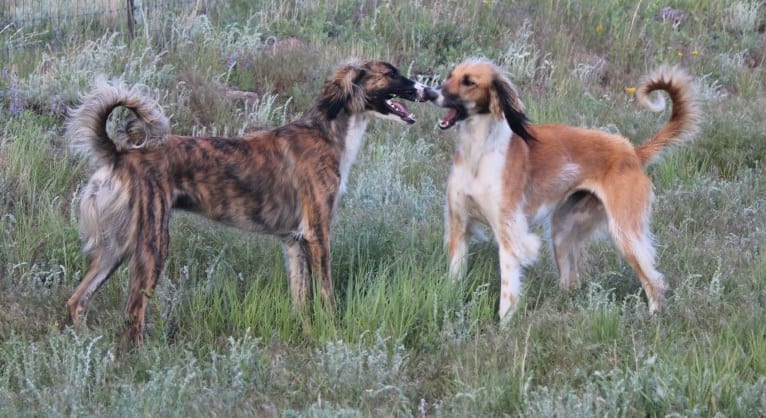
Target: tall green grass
x: 403, y: 339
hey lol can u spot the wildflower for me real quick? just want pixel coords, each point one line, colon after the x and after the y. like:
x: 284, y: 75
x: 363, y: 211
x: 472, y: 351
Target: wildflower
x: 680, y: 54
x: 231, y: 60
x: 16, y: 103
x: 600, y: 29
x: 630, y: 90
x: 695, y: 52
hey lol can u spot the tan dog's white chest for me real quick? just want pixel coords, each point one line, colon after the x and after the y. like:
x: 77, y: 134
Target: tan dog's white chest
x: 473, y: 184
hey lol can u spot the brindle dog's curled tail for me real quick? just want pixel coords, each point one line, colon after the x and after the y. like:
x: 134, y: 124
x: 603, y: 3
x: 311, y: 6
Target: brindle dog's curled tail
x: 86, y: 130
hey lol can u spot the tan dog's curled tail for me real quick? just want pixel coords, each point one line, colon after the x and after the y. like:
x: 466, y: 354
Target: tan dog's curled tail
x: 684, y: 118
x: 86, y: 130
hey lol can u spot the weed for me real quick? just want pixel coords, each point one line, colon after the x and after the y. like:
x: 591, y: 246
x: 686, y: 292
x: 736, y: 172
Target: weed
x: 223, y: 337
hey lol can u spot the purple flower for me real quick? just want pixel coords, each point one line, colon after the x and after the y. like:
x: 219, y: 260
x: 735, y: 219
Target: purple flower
x: 16, y: 103
x: 231, y: 60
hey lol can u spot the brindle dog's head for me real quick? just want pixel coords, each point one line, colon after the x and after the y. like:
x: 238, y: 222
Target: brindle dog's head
x: 371, y: 86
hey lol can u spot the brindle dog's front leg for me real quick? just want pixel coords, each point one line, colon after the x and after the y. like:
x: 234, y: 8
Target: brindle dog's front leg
x: 296, y: 260
x: 317, y: 236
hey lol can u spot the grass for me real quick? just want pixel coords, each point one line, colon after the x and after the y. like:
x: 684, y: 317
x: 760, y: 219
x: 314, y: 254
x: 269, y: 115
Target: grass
x: 404, y: 340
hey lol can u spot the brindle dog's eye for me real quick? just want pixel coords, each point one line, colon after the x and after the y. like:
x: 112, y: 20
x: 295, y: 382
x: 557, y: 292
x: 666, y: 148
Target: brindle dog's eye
x: 391, y: 74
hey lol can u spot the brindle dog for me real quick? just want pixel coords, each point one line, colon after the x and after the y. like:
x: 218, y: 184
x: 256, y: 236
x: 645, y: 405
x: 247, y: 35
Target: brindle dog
x: 284, y: 181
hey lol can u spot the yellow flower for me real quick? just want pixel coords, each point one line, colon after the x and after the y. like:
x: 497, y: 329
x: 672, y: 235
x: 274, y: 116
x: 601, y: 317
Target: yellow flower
x: 680, y: 54
x: 695, y: 52
x: 630, y: 90
x: 600, y: 29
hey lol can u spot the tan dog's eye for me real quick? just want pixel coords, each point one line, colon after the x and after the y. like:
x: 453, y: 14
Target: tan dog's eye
x: 468, y: 82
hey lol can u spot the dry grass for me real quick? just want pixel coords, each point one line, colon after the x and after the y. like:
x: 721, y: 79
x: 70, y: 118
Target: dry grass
x: 223, y: 339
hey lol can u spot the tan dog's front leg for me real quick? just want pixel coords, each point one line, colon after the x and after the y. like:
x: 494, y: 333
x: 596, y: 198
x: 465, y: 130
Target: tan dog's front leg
x: 518, y: 249
x: 456, y: 239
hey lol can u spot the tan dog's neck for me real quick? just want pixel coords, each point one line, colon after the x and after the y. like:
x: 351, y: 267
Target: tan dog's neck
x: 479, y: 136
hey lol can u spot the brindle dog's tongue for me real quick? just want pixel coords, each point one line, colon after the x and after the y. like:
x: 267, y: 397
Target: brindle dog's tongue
x: 399, y: 109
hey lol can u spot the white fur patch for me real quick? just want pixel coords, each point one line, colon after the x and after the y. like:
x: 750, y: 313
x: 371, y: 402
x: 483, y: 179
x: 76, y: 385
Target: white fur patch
x: 357, y: 125
x: 510, y: 285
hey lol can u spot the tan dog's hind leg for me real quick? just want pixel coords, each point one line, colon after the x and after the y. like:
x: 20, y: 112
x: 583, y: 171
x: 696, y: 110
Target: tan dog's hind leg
x: 573, y: 222
x: 628, y: 208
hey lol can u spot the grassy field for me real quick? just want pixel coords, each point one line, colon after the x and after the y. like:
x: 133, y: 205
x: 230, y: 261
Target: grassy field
x: 406, y: 341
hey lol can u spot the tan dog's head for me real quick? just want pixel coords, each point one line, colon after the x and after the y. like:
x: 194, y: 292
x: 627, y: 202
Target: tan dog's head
x: 477, y: 86
x: 371, y: 86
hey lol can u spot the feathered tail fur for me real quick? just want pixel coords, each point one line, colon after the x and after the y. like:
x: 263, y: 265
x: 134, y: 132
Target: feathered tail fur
x: 86, y: 130
x: 104, y: 212
x: 684, y: 118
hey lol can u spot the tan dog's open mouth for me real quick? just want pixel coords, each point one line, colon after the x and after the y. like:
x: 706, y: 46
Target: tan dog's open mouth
x: 449, y: 119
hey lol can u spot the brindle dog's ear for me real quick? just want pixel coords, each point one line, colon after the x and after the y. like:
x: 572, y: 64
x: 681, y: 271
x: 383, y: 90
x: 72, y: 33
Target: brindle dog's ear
x: 505, y: 102
x: 343, y: 91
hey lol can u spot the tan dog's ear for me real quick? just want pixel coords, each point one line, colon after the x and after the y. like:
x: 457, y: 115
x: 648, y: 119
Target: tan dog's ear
x: 343, y: 91
x: 505, y: 102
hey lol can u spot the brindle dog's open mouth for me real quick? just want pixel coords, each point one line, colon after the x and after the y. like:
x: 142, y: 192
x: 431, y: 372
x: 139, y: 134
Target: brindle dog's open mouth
x: 399, y: 109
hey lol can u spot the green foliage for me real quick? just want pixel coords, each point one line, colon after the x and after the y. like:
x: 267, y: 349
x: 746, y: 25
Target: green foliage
x: 403, y: 339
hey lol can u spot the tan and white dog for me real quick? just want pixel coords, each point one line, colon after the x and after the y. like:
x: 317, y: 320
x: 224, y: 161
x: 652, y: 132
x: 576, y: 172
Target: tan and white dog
x: 510, y: 175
